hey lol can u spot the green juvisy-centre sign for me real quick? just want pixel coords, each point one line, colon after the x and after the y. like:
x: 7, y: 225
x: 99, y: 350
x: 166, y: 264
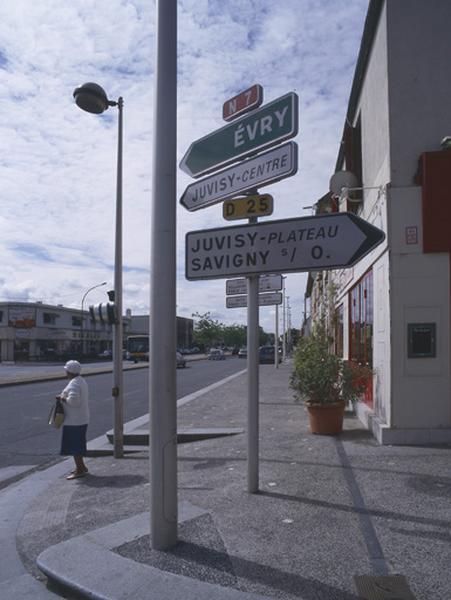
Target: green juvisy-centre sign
x: 267, y: 126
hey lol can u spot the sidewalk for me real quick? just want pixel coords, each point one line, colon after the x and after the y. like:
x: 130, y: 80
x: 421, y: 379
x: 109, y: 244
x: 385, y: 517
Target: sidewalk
x: 333, y: 518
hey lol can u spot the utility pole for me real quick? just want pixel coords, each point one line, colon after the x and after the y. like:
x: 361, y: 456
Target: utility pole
x: 162, y: 339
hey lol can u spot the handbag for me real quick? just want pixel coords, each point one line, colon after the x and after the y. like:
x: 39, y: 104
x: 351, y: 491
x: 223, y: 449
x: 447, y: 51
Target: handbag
x: 56, y: 415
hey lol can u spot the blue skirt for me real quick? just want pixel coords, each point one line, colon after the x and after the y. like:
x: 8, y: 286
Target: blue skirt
x: 73, y: 441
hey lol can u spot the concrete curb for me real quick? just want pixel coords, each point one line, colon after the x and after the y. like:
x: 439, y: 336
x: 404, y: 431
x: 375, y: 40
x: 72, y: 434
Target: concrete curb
x: 88, y: 565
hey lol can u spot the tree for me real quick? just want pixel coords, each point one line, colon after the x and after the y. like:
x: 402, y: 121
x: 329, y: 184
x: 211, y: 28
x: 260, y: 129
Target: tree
x: 207, y: 332
x: 294, y: 336
x: 234, y: 335
x: 264, y: 338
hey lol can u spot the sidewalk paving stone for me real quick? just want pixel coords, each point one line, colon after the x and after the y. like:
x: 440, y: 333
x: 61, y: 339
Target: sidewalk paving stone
x: 329, y: 509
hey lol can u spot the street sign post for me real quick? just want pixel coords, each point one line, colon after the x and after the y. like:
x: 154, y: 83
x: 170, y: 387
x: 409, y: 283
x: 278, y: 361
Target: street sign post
x: 242, y: 103
x: 266, y: 168
x: 266, y: 283
x: 265, y: 127
x: 292, y: 245
x: 257, y: 205
x: 263, y: 300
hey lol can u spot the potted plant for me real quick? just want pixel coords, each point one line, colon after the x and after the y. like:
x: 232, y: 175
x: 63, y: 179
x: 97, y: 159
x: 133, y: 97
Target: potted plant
x: 325, y: 382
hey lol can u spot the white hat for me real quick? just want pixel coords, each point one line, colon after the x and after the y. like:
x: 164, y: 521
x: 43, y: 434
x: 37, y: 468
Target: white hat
x: 73, y: 366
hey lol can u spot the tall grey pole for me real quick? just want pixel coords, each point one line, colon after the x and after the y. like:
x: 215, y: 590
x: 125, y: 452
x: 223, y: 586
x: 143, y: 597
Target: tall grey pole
x: 252, y: 381
x: 288, y: 325
x: 162, y: 349
x: 276, y: 340
x: 284, y: 343
x: 117, y: 391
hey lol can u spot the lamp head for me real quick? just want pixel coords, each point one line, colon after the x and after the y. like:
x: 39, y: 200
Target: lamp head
x: 91, y: 97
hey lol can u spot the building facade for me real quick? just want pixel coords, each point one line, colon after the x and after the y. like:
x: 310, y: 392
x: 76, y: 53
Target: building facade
x: 139, y: 325
x: 392, y: 309
x: 37, y: 331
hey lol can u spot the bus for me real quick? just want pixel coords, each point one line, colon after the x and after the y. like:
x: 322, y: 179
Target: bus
x: 138, y: 347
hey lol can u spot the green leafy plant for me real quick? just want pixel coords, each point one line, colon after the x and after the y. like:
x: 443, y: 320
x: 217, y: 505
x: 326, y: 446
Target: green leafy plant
x: 320, y: 377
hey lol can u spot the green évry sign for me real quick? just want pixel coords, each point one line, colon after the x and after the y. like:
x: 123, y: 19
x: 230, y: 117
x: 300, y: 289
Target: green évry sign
x: 265, y: 127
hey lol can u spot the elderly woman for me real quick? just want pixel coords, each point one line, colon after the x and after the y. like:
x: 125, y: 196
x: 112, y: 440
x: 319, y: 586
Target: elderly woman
x: 76, y: 418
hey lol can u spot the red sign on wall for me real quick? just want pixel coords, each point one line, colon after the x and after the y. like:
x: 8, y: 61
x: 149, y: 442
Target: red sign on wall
x: 242, y: 103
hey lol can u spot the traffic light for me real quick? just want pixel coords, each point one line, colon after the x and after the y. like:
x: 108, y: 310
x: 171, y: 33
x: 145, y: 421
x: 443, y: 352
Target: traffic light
x: 104, y: 312
x: 111, y: 295
x: 92, y: 314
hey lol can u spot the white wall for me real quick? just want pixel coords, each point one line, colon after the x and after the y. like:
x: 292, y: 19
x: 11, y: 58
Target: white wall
x: 373, y: 108
x: 420, y: 285
x: 382, y: 351
x: 419, y: 81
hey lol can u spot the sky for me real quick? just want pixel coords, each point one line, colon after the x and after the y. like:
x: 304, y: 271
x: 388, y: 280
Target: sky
x: 58, y: 163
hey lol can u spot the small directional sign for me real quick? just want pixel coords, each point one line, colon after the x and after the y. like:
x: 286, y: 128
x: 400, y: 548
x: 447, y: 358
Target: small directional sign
x: 258, y: 205
x: 242, y: 103
x: 330, y: 241
x: 265, y: 127
x: 263, y: 300
x: 266, y: 168
x: 266, y: 283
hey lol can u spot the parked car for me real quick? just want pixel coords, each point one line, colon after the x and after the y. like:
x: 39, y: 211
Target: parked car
x: 216, y: 354
x: 106, y: 354
x: 181, y: 362
x: 242, y: 353
x: 266, y: 355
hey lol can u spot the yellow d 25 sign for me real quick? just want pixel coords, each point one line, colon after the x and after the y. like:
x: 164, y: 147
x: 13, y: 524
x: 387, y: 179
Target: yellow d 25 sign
x: 260, y: 205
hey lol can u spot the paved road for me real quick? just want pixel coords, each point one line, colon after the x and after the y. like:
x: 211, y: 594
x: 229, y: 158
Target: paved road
x: 25, y: 438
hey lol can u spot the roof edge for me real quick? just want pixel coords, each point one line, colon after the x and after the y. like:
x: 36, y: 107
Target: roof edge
x: 369, y: 30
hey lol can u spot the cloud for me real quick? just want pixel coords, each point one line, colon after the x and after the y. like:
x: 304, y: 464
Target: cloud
x: 58, y: 164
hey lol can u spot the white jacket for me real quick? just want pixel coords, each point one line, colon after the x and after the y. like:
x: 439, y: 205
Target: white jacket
x: 76, y: 404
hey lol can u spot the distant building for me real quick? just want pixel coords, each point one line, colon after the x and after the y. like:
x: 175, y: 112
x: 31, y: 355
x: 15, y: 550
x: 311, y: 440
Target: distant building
x: 139, y: 324
x: 392, y: 309
x: 37, y: 331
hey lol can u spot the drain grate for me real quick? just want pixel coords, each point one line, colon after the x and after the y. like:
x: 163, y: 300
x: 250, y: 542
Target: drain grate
x: 390, y: 587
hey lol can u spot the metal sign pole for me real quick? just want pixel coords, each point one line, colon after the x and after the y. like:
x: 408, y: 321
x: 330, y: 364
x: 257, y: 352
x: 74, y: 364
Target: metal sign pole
x: 253, y: 382
x: 162, y: 347
x: 284, y: 343
x: 276, y: 340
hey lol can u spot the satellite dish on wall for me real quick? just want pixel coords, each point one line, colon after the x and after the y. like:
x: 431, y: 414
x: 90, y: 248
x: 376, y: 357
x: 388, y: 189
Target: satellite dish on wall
x: 342, y: 179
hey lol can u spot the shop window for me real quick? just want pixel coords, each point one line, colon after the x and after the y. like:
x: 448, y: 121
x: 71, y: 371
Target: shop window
x: 361, y: 326
x: 46, y: 348
x: 49, y: 318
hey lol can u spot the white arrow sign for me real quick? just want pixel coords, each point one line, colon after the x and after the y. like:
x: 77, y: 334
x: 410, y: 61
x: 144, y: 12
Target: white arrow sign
x: 266, y: 283
x: 306, y: 244
x: 266, y: 168
x: 263, y: 300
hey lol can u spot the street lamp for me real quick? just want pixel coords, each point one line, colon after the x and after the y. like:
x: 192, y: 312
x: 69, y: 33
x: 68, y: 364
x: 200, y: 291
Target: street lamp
x: 82, y: 315
x: 93, y: 99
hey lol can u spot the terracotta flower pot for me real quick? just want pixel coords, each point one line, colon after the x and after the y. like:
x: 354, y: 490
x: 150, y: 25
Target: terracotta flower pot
x: 326, y: 419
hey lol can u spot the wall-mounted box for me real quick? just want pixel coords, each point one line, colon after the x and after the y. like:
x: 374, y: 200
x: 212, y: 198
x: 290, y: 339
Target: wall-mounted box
x: 421, y: 340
